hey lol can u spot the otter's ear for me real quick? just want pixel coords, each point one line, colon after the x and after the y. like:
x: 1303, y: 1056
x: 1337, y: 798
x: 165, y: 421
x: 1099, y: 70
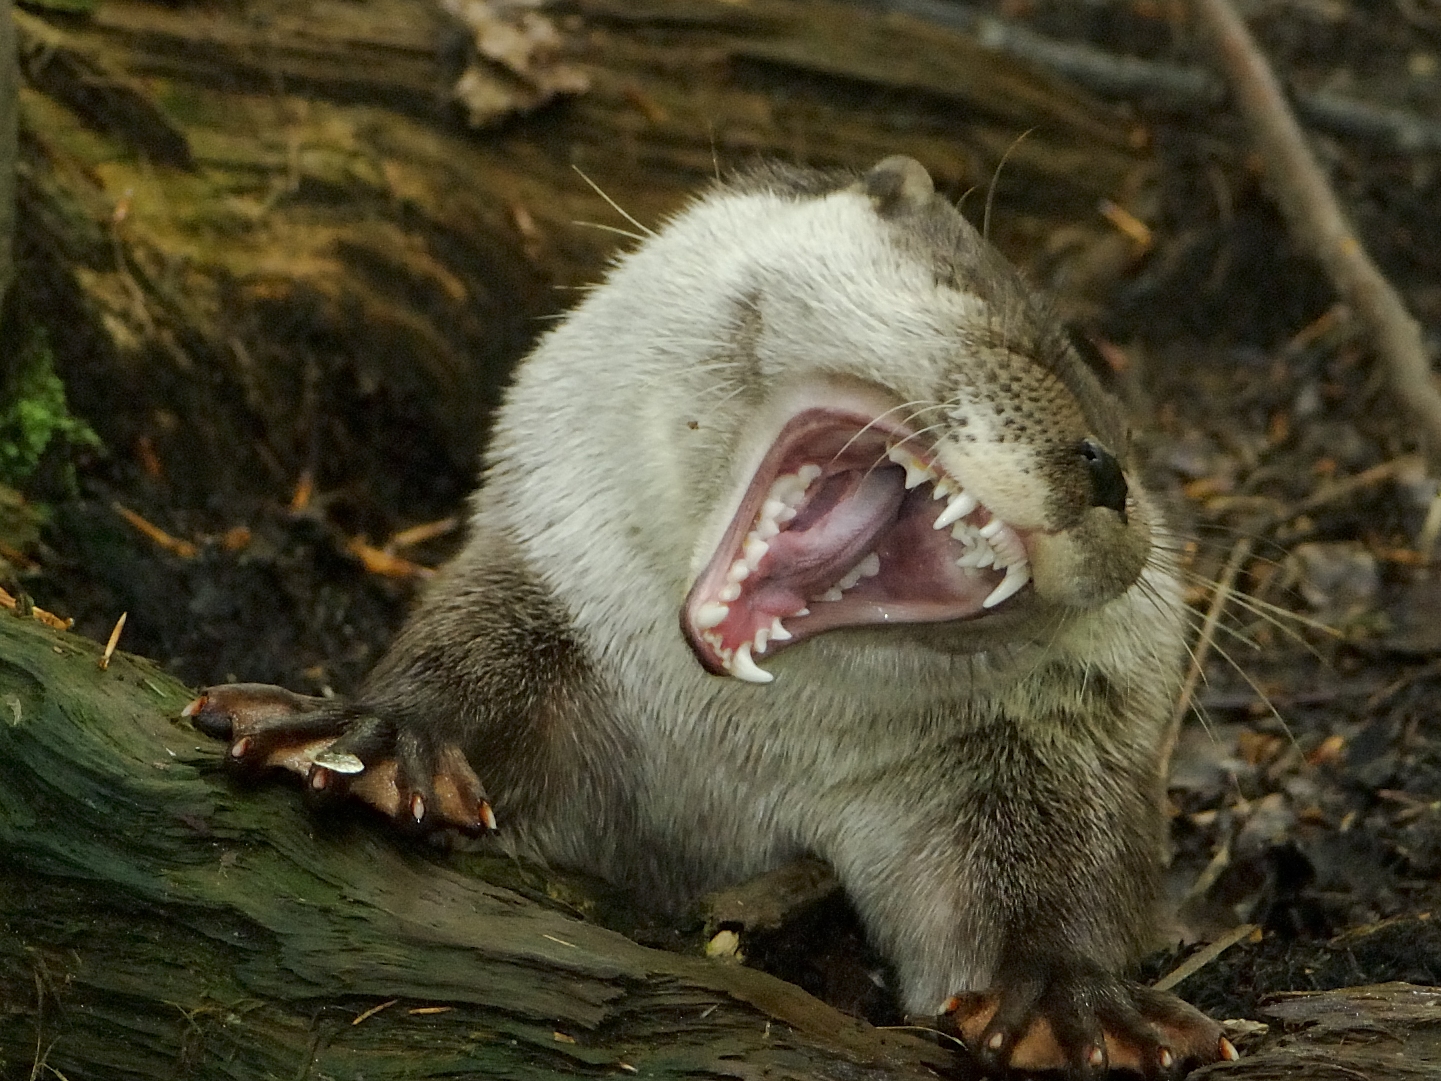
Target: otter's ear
x: 898, y: 185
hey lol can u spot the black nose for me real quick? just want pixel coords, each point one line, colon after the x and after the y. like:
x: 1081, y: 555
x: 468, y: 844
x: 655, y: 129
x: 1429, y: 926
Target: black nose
x: 1108, y: 484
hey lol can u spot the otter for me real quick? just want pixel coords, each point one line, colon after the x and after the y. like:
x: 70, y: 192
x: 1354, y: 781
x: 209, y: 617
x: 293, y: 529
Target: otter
x: 927, y: 625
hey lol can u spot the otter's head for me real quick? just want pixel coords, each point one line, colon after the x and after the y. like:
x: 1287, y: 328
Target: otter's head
x: 912, y: 441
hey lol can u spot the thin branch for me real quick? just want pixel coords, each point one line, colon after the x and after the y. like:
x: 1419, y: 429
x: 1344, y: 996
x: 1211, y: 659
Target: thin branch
x: 1316, y: 217
x: 1167, y: 84
x: 1204, y: 957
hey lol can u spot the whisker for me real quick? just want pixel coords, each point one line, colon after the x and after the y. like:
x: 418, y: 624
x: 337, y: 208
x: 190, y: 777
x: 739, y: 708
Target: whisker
x: 1283, y: 619
x: 613, y: 204
x: 609, y: 229
x: 995, y: 182
x: 1260, y: 694
x: 873, y: 422
x: 1206, y: 640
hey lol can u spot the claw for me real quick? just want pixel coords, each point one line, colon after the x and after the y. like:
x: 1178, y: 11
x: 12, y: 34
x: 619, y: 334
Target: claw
x: 340, y: 762
x: 342, y: 751
x: 1155, y: 1035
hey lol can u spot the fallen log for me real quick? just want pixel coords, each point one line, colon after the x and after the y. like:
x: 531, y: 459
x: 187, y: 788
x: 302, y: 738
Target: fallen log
x: 284, y: 237
x: 161, y: 923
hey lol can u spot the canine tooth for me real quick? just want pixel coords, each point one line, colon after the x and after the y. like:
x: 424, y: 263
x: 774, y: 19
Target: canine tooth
x: 870, y: 566
x: 742, y: 667
x: 1017, y: 575
x: 711, y: 614
x: 832, y: 594
x: 961, y: 504
x: 917, y: 473
x: 991, y: 528
x: 729, y: 592
x: 755, y: 550
x: 808, y: 473
x: 778, y: 632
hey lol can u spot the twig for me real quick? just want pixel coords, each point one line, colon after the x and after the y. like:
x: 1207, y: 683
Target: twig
x: 183, y: 548
x: 1224, y: 586
x: 1347, y: 487
x: 22, y: 606
x: 1166, y: 84
x: 113, y: 641
x: 1200, y: 960
x: 1316, y: 217
x: 1395, y: 127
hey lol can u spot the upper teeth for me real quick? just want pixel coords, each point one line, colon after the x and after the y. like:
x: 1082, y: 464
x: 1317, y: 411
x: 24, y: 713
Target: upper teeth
x: 917, y: 471
x: 994, y: 544
x: 740, y: 664
x: 779, y: 507
x: 960, y: 505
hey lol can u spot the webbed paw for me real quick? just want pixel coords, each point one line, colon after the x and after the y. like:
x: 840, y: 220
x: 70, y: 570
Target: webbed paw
x: 1081, y: 1021
x: 341, y: 750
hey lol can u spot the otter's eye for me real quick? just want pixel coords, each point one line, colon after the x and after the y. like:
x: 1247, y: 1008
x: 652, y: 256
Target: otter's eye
x: 1108, y: 486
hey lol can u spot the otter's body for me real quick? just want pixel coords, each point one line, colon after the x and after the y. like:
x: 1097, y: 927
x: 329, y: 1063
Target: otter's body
x: 924, y: 629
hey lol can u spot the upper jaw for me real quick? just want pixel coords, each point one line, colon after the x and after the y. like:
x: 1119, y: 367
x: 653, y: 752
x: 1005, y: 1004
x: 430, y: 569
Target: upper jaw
x: 849, y: 520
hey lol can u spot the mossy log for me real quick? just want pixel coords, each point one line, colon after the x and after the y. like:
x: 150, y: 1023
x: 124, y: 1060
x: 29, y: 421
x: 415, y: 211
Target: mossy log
x: 275, y: 237
x: 9, y: 94
x: 160, y: 923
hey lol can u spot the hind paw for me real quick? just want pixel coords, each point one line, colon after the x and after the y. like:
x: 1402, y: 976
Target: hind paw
x: 1083, y: 1023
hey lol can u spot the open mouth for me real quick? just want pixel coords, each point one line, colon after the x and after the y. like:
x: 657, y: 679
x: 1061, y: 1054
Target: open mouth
x: 848, y: 522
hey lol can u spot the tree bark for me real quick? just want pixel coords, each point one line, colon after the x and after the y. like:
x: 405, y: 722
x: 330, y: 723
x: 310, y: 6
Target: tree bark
x: 160, y: 922
x: 9, y: 114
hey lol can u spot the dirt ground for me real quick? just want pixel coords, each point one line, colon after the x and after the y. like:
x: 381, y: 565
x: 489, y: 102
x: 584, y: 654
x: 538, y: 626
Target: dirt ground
x: 1306, y: 788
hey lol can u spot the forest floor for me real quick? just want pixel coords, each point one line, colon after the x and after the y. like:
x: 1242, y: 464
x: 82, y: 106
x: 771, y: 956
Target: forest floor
x: 1306, y: 789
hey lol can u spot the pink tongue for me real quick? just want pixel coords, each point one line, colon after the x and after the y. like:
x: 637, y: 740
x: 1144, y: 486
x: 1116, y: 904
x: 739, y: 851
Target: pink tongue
x: 838, y: 525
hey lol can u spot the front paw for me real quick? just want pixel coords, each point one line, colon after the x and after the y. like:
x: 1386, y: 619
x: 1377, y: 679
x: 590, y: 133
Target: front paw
x: 1083, y: 1021
x: 344, y: 750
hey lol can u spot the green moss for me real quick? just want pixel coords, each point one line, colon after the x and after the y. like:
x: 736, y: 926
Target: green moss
x: 34, y: 413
